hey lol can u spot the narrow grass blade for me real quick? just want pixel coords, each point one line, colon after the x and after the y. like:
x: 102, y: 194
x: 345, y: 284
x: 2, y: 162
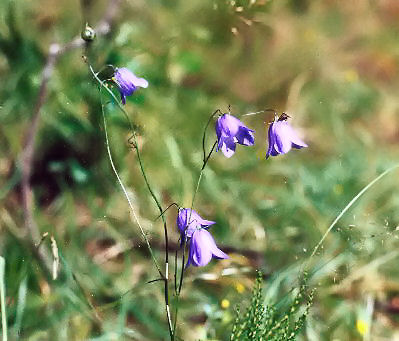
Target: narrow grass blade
x: 2, y: 298
x: 20, y: 306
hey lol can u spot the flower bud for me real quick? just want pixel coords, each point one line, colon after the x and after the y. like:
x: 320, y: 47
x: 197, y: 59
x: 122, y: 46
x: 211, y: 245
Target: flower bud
x: 88, y: 34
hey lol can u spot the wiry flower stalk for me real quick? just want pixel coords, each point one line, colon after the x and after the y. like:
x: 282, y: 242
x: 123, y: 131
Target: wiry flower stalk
x: 164, y: 276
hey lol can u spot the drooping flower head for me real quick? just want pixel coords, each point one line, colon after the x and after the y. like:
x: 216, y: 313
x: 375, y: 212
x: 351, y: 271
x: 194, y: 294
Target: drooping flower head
x: 202, y: 248
x: 128, y: 82
x: 189, y: 221
x: 229, y: 131
x: 282, y: 137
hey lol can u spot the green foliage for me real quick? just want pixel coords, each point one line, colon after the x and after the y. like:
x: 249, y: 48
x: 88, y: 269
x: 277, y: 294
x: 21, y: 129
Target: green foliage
x: 267, y: 322
x: 332, y: 65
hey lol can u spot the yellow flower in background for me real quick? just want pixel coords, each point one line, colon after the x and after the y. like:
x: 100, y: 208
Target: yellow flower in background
x: 239, y: 287
x: 351, y: 76
x: 338, y: 189
x: 225, y: 304
x: 362, y: 327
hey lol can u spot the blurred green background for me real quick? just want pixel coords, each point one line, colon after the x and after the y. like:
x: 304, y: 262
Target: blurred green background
x: 333, y: 66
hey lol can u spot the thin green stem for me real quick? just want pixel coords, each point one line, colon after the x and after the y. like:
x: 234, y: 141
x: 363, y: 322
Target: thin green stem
x: 183, y: 260
x: 196, y: 189
x: 183, y: 246
x: 166, y: 278
x: 204, y: 134
x: 189, y: 220
x: 132, y: 210
x: 175, y: 276
x: 167, y: 208
x: 135, y: 145
x: 209, y: 155
x: 176, y: 312
x: 260, y: 112
x: 178, y: 291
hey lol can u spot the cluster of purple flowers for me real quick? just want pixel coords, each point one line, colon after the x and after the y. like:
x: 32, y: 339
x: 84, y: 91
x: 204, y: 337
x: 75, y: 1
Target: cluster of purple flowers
x: 194, y: 229
x: 229, y: 131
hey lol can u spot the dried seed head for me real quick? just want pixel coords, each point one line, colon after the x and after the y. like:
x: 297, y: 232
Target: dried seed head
x: 88, y: 33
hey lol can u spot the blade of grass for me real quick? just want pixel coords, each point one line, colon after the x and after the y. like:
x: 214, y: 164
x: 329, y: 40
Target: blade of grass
x: 2, y: 298
x: 347, y: 207
x: 20, y: 306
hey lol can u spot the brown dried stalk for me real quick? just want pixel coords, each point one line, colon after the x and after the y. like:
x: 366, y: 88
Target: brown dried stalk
x: 55, y: 51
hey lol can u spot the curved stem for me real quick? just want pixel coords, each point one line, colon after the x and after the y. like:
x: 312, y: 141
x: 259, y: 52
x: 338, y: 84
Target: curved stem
x: 260, y: 112
x: 125, y: 192
x: 206, y: 159
x: 167, y: 208
x: 204, y: 135
x: 135, y: 145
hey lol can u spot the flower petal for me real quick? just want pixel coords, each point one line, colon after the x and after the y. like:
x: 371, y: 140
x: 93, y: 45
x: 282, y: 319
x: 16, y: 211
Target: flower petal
x: 245, y: 136
x: 128, y: 82
x: 229, y: 130
x: 228, y: 147
x: 272, y: 139
x: 283, y: 134
x: 297, y: 142
x: 141, y: 82
x: 200, y: 250
x: 230, y: 124
x: 203, y: 248
x: 218, y: 128
x: 217, y: 253
x: 205, y: 223
x: 189, y: 221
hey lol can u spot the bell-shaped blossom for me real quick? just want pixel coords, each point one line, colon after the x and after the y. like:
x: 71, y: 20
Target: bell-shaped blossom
x: 282, y: 137
x: 202, y: 248
x: 229, y: 131
x: 128, y: 82
x: 189, y: 221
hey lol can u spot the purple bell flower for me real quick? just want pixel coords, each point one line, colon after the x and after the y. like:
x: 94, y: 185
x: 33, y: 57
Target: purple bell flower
x: 282, y: 137
x: 187, y: 228
x: 229, y: 131
x: 202, y: 248
x: 127, y: 82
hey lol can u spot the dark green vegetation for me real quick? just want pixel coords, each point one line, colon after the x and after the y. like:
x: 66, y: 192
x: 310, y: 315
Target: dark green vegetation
x: 333, y: 66
x: 262, y: 322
